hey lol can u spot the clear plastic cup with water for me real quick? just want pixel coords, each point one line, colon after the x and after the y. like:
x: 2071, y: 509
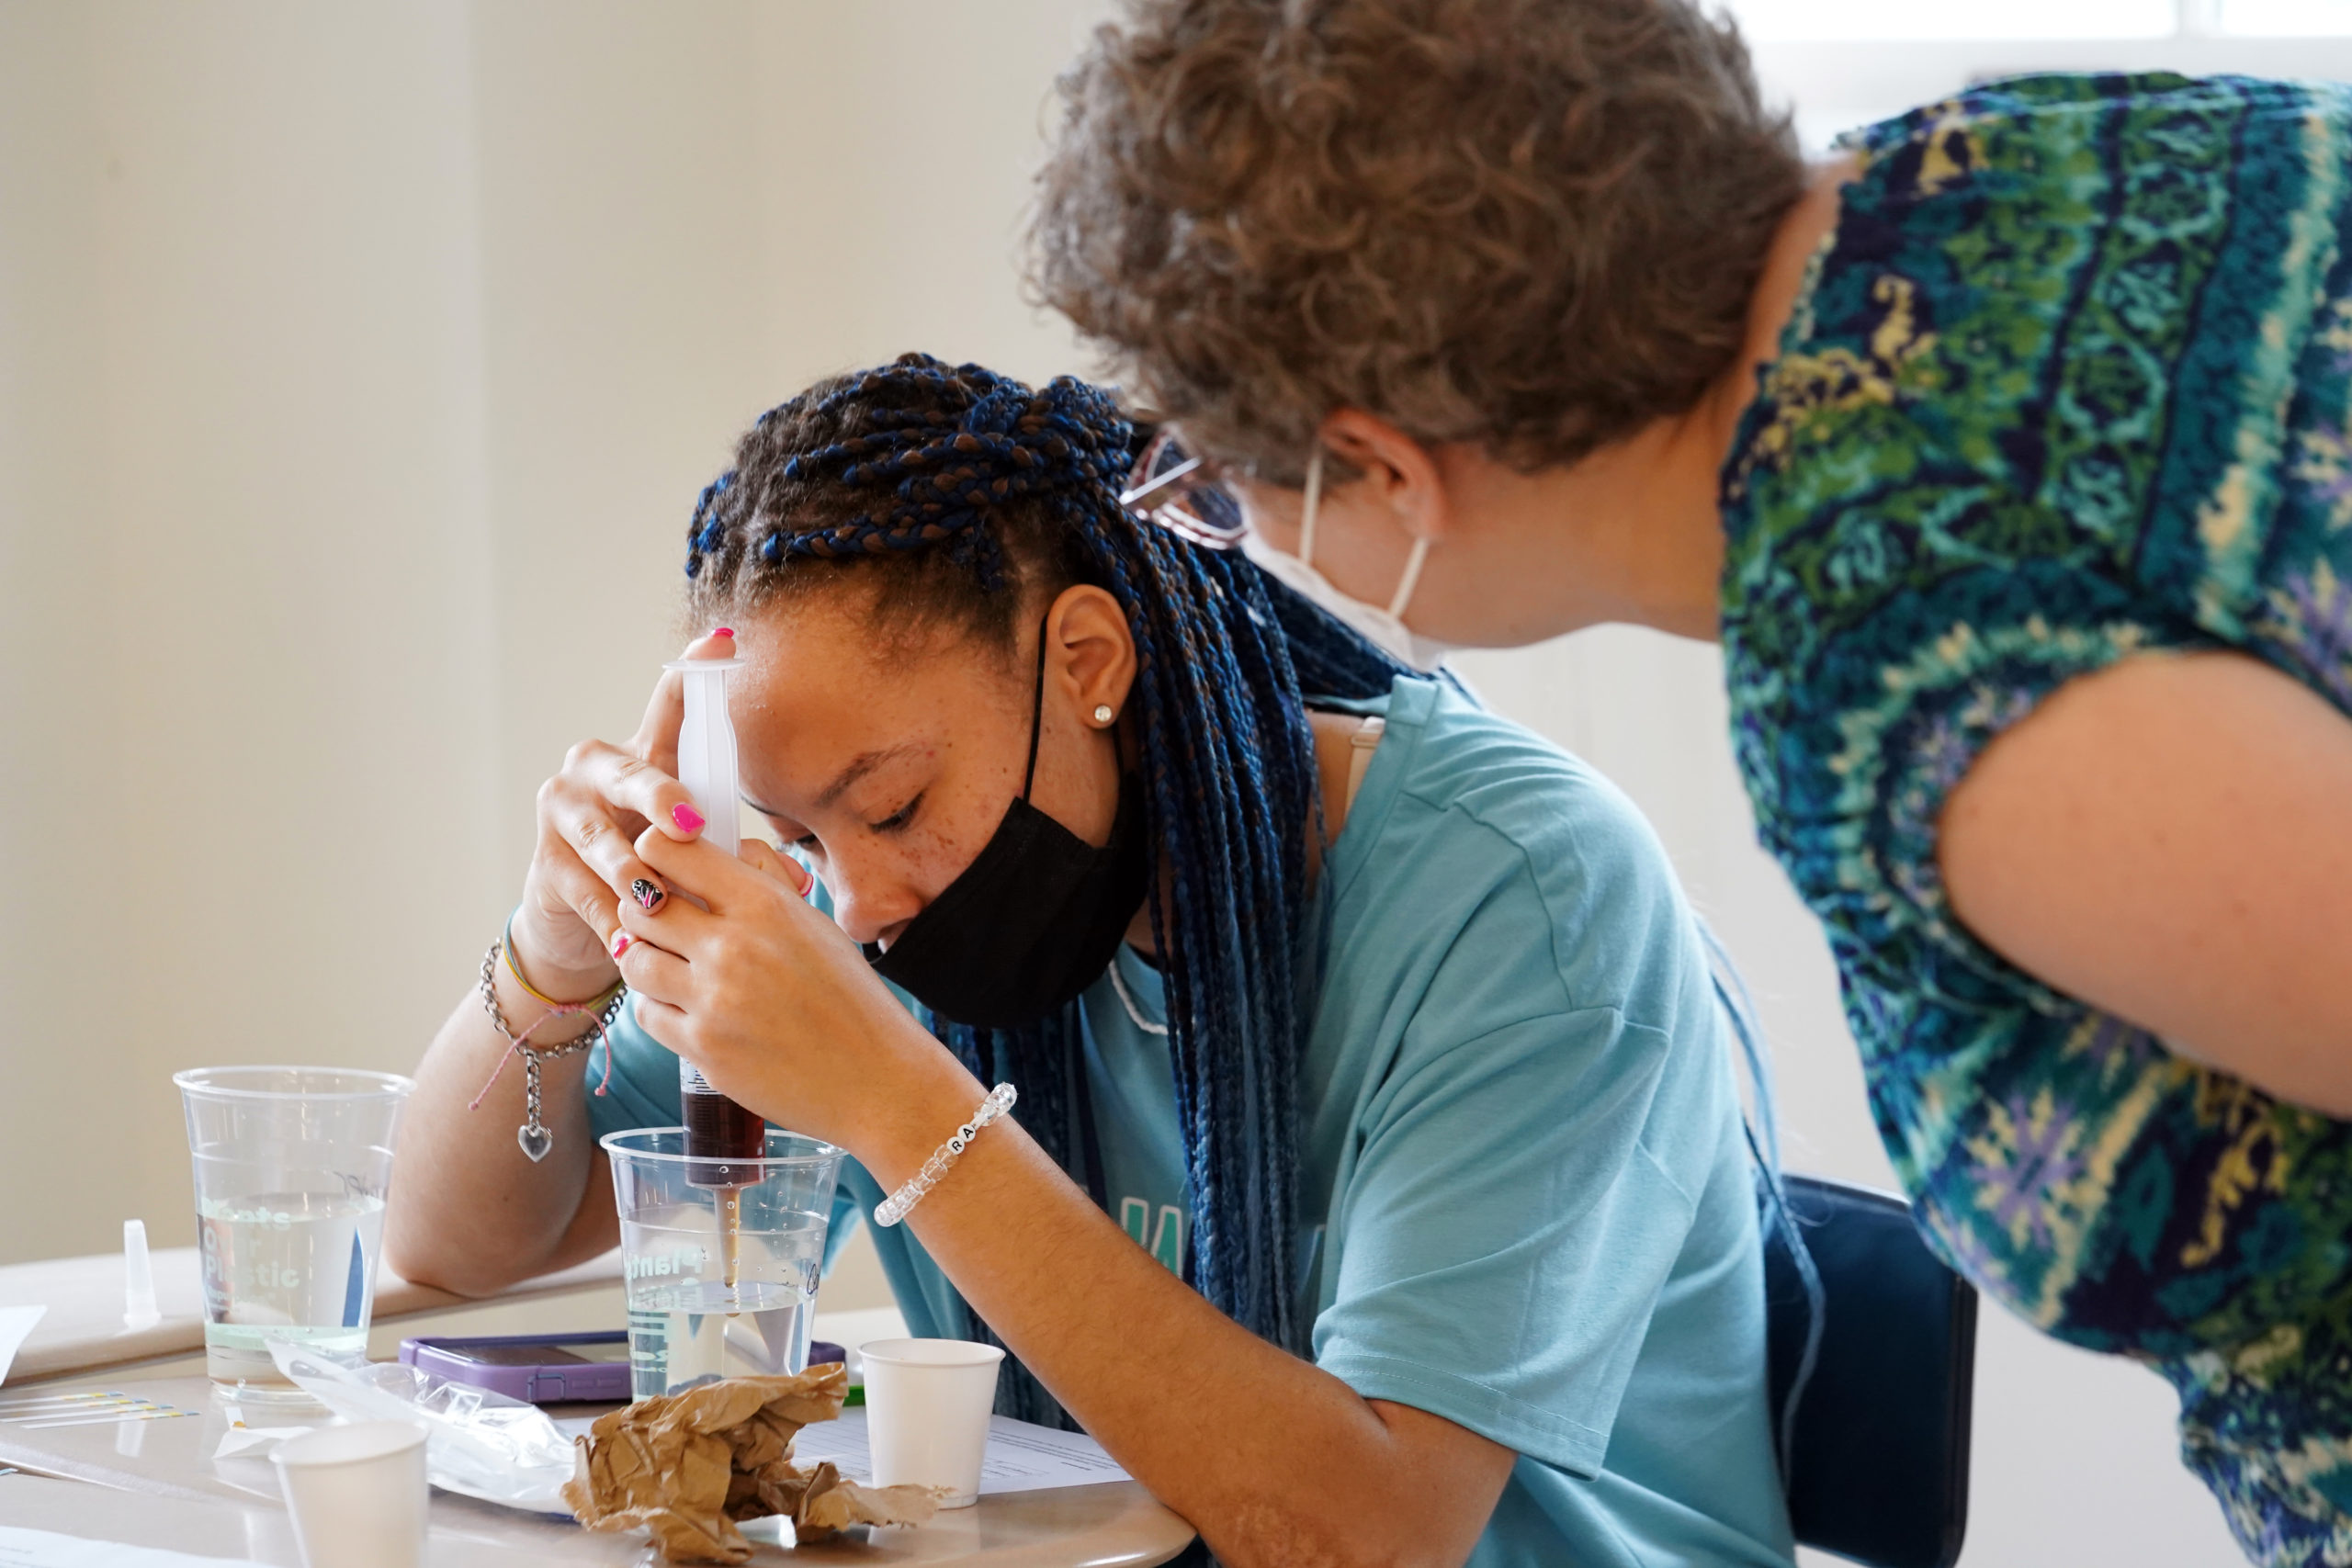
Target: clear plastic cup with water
x: 722, y: 1280
x: 291, y: 1168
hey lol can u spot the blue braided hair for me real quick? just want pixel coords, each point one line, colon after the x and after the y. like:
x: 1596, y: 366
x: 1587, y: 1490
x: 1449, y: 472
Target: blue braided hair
x: 973, y: 498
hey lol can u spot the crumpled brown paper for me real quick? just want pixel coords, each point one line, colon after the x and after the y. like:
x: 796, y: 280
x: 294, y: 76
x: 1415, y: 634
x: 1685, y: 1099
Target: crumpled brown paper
x: 689, y: 1465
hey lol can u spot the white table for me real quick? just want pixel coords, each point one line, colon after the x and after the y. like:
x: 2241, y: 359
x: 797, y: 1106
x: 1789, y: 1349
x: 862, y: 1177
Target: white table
x: 155, y: 1484
x: 83, y: 1330
x: 1111, y: 1526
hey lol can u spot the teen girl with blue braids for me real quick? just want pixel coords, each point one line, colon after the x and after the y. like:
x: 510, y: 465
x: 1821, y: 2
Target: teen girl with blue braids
x: 1377, y: 1190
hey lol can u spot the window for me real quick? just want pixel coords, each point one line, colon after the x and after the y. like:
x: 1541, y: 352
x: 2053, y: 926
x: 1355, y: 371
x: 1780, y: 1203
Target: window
x: 1844, y: 63
x: 1783, y: 21
x: 2287, y: 18
x: 1817, y: 21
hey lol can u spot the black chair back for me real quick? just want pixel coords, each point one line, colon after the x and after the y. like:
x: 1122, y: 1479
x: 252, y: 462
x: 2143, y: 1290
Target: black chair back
x: 1880, y: 1463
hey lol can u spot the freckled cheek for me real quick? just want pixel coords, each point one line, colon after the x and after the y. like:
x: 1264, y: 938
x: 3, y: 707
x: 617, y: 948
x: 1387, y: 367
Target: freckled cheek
x: 930, y: 860
x: 891, y: 882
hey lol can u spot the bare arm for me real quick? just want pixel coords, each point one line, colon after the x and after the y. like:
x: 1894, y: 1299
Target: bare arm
x: 469, y: 1212
x: 1275, y: 1460
x: 472, y: 1214
x: 2171, y: 840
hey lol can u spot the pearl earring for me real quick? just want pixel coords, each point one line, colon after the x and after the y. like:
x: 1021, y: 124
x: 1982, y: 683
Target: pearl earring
x: 1103, y: 713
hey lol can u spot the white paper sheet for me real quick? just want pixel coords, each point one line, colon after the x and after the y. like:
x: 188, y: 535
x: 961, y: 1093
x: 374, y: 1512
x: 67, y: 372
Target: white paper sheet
x: 1021, y: 1457
x: 14, y: 1324
x: 44, y: 1549
x: 240, y: 1441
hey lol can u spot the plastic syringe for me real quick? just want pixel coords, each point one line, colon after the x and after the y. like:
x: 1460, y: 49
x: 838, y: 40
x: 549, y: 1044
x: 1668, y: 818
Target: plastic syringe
x: 717, y: 1130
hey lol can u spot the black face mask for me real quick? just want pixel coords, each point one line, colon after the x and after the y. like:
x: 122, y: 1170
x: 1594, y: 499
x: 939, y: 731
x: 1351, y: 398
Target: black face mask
x: 1034, y: 920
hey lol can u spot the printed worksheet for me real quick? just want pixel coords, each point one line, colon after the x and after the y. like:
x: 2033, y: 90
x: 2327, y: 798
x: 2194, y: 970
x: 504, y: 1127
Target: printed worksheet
x: 1021, y: 1458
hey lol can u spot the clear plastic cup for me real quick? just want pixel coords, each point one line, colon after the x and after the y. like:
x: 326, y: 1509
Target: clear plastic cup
x: 291, y: 1168
x: 927, y: 1404
x: 701, y: 1307
x: 357, y: 1494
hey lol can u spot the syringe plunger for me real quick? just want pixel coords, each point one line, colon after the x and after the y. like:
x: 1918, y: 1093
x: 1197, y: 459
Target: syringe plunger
x: 717, y: 1130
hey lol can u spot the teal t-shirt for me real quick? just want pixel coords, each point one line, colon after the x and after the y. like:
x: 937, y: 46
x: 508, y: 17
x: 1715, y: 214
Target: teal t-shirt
x: 1524, y: 1195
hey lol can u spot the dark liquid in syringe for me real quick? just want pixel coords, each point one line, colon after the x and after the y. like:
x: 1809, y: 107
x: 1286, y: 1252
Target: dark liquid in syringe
x: 719, y: 1132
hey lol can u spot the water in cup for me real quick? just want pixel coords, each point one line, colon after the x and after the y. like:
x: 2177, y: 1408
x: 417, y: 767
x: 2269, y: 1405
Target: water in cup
x: 722, y: 1280
x: 291, y: 1167
x: 684, y: 1312
x: 299, y: 1266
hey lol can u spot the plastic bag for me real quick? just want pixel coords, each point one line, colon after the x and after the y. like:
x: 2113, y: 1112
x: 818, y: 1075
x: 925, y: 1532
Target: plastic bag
x: 479, y: 1443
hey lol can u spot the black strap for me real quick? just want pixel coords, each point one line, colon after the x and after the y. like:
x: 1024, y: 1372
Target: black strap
x: 1036, y: 714
x: 1074, y: 1080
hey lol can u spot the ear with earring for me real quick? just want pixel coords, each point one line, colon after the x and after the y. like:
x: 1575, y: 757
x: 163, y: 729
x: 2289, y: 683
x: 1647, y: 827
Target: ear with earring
x: 1103, y: 713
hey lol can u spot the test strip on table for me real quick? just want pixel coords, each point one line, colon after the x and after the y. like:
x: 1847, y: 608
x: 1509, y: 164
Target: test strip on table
x: 77, y: 1412
x: 30, y: 1407
x: 71, y: 1410
x: 85, y: 1396
x: 102, y: 1419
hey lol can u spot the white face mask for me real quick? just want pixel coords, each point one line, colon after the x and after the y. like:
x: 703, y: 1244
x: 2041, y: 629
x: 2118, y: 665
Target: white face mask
x: 1385, y: 629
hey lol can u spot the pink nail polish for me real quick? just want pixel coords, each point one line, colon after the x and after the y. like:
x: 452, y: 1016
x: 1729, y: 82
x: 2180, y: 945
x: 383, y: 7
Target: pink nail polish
x: 722, y: 631
x: 621, y: 942
x: 688, y: 819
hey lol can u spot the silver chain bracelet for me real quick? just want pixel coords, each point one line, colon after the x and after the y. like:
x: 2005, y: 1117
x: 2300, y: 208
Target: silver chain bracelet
x: 533, y: 1136
x: 893, y: 1209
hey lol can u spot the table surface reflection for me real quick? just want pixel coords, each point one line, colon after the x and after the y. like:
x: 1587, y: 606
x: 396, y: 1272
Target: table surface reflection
x: 153, y: 1482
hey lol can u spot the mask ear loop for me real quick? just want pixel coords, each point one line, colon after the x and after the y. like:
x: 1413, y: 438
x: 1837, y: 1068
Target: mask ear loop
x: 1412, y: 577
x: 1037, y: 713
x: 1306, y: 510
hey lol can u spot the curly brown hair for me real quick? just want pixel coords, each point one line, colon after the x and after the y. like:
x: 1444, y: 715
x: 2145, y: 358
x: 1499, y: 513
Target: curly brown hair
x: 1533, y: 224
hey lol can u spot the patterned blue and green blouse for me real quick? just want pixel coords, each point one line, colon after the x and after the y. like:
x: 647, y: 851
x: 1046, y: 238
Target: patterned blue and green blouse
x: 2070, y: 380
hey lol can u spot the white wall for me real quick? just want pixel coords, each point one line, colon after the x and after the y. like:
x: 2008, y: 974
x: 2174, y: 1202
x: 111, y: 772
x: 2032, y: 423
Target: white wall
x: 358, y: 367
x: 240, y: 463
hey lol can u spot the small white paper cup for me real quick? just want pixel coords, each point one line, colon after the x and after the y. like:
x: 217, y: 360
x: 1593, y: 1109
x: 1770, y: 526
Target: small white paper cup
x: 357, y: 1494
x: 927, y: 1404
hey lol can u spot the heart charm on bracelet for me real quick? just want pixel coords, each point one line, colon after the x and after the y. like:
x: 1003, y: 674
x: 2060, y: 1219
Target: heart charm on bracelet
x: 535, y: 1142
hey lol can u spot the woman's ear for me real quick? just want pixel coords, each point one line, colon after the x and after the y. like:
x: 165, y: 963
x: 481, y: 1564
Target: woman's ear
x: 1394, y: 473
x: 1091, y: 655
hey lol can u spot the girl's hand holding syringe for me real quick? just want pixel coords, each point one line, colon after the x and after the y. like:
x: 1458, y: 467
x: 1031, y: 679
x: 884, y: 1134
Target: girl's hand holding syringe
x: 474, y: 1214
x: 590, y: 815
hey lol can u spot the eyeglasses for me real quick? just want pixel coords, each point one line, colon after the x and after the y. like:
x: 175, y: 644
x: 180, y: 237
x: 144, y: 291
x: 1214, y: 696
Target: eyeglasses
x: 1169, y: 487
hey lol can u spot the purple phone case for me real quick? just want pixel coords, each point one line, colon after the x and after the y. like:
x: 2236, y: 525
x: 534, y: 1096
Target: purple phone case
x: 554, y: 1383
x: 592, y: 1381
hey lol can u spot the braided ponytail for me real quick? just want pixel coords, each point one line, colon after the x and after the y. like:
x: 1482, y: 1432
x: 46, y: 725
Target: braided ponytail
x: 971, y: 493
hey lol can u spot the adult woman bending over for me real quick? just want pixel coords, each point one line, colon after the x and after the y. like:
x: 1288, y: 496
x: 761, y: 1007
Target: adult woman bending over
x: 2010, y: 458
x: 1430, y: 1233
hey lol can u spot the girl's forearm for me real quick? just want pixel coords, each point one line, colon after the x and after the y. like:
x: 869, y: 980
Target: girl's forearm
x: 1272, y: 1458
x: 469, y: 1212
